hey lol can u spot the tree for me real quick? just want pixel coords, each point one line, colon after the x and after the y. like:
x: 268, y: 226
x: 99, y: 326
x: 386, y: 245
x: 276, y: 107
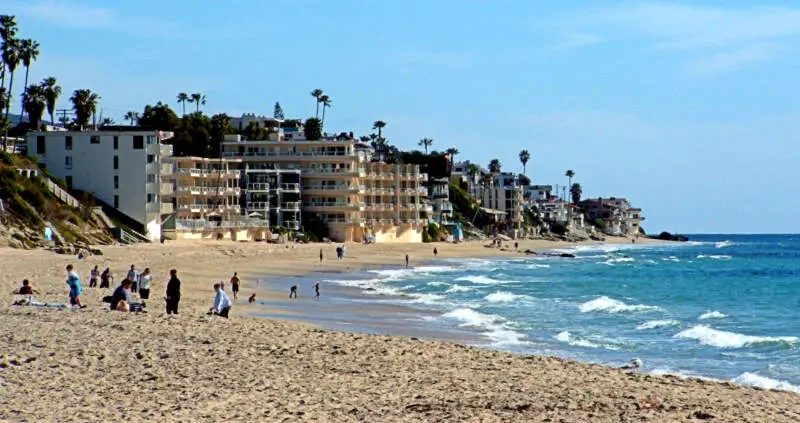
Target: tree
x: 220, y: 125
x: 106, y: 122
x: 8, y: 33
x: 473, y: 170
x: 453, y: 152
x: 524, y: 157
x: 51, y: 93
x: 11, y: 61
x: 312, y: 129
x: 317, y: 93
x: 182, y: 99
x: 34, y: 102
x: 569, y: 174
x: 425, y: 142
x: 576, y: 191
x: 379, y: 125
x: 28, y: 53
x: 495, y: 166
x: 132, y: 116
x: 84, y: 103
x: 278, y: 112
x: 160, y: 118
x: 326, y: 103
x: 197, y: 99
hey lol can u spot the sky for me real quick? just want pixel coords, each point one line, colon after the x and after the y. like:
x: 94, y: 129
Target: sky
x: 688, y: 109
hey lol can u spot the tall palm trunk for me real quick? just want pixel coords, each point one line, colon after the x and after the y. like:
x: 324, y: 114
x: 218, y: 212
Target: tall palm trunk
x: 316, y: 115
x: 8, y: 109
x: 184, y: 107
x: 22, y: 105
x: 323, y: 113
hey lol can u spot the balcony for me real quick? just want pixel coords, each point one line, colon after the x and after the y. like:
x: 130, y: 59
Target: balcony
x: 333, y: 205
x: 330, y: 172
x: 166, y: 208
x: 292, y: 205
x: 200, y: 225
x: 204, y: 208
x: 290, y: 187
x: 208, y: 191
x: 166, y: 189
x: 257, y: 205
x: 258, y: 186
x: 345, y: 221
x: 289, y: 154
x: 165, y: 150
x: 207, y: 172
x: 291, y: 224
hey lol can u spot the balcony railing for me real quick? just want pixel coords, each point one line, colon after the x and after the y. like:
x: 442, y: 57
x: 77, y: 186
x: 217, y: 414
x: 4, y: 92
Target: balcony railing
x: 198, y: 190
x: 166, y: 208
x: 291, y: 224
x: 192, y: 224
x: 207, y: 172
x: 206, y: 207
x: 334, y: 171
x: 288, y: 154
x: 334, y: 204
x: 292, y: 205
x: 290, y: 187
x: 258, y: 186
x: 345, y: 220
x: 258, y: 205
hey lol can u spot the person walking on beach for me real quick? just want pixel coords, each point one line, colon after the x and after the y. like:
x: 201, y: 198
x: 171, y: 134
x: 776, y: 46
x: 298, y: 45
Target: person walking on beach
x: 235, y: 285
x: 132, y: 275
x: 75, y: 288
x: 145, y: 279
x: 320, y: 256
x: 95, y: 275
x: 435, y: 252
x: 173, y: 292
x: 316, y: 290
x: 293, y: 292
x: 105, y: 278
x: 406, y: 260
x: 222, y: 303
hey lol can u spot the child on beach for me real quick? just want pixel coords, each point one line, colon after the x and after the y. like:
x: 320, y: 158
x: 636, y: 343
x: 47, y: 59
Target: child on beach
x: 252, y: 299
x: 293, y: 292
x: 27, y: 289
x: 75, y: 289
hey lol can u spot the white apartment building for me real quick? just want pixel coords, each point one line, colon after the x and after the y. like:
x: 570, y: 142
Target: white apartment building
x: 120, y: 168
x: 273, y: 194
x: 504, y: 194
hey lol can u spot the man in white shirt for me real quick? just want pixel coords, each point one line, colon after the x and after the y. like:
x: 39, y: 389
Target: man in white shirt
x: 134, y: 276
x: 222, y: 304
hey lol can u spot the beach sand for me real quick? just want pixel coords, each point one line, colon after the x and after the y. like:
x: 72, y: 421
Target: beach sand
x: 96, y: 365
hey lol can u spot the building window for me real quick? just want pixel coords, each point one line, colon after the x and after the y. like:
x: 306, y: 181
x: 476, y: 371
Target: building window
x: 151, y: 198
x: 138, y: 142
x: 151, y: 140
x: 40, y: 145
x: 68, y: 142
x: 116, y: 162
x: 68, y: 180
x: 151, y: 178
x: 116, y: 181
x: 116, y: 142
x: 116, y: 201
x: 151, y: 158
x: 68, y: 162
x: 94, y: 139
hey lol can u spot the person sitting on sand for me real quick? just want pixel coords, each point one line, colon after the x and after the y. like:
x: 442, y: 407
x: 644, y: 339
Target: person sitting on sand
x: 122, y: 293
x: 27, y: 289
x: 252, y: 299
x: 75, y: 288
x: 293, y: 292
x: 222, y: 304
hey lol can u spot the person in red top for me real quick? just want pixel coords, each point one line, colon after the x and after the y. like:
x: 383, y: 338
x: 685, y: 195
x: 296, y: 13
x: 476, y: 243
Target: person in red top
x: 27, y: 289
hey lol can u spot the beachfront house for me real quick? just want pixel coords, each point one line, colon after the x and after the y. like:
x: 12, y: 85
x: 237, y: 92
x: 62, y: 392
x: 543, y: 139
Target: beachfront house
x: 356, y: 199
x: 615, y: 215
x: 439, y: 195
x: 504, y: 193
x: 121, y: 167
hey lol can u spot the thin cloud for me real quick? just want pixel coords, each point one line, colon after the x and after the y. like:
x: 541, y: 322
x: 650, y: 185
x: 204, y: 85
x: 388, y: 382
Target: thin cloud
x: 728, y: 61
x: 572, y: 40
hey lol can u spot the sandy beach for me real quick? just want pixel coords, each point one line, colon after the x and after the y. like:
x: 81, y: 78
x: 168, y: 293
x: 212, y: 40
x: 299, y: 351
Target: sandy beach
x: 97, y: 365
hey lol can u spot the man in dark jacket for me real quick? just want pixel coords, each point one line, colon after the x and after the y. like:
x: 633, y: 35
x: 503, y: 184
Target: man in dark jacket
x: 173, y: 292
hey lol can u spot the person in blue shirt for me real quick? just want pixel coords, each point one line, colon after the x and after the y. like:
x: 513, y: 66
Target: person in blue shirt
x: 122, y: 293
x: 222, y: 304
x: 75, y: 288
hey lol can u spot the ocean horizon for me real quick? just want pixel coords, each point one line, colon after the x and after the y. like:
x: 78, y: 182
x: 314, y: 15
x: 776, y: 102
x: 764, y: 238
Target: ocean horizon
x: 718, y: 306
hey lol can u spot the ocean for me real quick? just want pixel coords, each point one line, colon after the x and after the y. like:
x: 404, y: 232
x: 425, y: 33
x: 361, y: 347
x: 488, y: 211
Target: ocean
x: 720, y: 306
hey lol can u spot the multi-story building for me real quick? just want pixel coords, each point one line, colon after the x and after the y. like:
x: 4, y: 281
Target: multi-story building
x: 616, y: 214
x: 439, y: 194
x: 538, y: 192
x: 121, y: 168
x: 205, y: 194
x: 505, y: 194
x: 273, y: 194
x: 357, y: 200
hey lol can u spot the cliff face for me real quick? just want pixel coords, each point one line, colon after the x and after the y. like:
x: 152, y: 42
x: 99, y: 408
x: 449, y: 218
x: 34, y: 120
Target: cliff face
x: 28, y: 208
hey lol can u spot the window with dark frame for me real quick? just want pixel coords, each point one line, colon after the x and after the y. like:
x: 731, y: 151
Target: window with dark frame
x: 138, y: 142
x: 116, y: 201
x: 94, y: 139
x: 116, y: 181
x: 116, y: 162
x: 68, y: 142
x: 40, y: 144
x: 116, y: 142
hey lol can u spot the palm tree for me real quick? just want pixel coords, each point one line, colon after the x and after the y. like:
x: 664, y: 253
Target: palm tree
x: 473, y: 170
x: 182, y: 99
x: 107, y: 122
x: 379, y: 125
x: 317, y: 94
x: 452, y: 152
x: 11, y: 60
x: 51, y: 93
x: 34, y: 102
x: 524, y: 157
x: 8, y: 31
x: 132, y: 116
x: 326, y: 103
x: 426, y: 142
x: 84, y: 103
x: 576, y: 191
x: 28, y: 53
x: 495, y: 166
x: 197, y: 99
x: 569, y: 174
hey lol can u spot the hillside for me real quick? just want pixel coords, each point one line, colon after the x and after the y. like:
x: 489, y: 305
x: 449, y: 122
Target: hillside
x: 28, y: 208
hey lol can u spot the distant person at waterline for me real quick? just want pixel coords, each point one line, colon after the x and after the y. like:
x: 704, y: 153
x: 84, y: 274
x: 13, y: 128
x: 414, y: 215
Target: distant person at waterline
x: 235, y: 285
x: 316, y: 289
x: 293, y: 292
x: 435, y: 252
x: 406, y: 260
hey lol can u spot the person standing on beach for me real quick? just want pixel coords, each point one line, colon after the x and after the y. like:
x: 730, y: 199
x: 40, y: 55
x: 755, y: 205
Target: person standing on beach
x: 132, y: 275
x: 435, y: 252
x: 320, y: 256
x: 235, y: 285
x: 75, y: 289
x: 293, y: 292
x: 144, y: 285
x: 105, y: 278
x: 95, y: 275
x: 173, y: 292
x: 406, y: 260
x: 316, y: 290
x: 222, y: 304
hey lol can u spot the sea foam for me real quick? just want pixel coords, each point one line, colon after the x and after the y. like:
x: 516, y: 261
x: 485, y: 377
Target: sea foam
x: 495, y: 327
x: 707, y: 335
x: 711, y: 315
x: 569, y: 338
x: 610, y: 305
x: 503, y: 297
x: 482, y: 280
x: 752, y: 379
x: 654, y: 324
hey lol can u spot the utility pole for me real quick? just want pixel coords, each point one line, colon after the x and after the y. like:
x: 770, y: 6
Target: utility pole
x: 63, y: 113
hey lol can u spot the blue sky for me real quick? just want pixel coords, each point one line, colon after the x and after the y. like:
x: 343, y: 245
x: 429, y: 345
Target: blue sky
x: 689, y: 109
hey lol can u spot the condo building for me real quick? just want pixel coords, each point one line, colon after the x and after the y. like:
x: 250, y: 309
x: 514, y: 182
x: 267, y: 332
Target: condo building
x: 356, y: 199
x: 122, y: 168
x: 504, y: 194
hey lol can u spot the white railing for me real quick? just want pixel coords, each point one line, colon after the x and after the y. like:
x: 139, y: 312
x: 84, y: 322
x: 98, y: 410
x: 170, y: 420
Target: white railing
x: 206, y: 172
x: 334, y: 204
x: 291, y: 224
x: 292, y: 205
x: 290, y: 187
x: 287, y: 154
x: 258, y: 205
x: 165, y: 150
x: 190, y: 224
x: 61, y: 193
x: 258, y: 186
x: 331, y: 170
x: 206, y: 207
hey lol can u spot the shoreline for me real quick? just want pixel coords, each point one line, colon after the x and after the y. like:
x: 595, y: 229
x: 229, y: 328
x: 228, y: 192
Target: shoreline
x: 203, y: 368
